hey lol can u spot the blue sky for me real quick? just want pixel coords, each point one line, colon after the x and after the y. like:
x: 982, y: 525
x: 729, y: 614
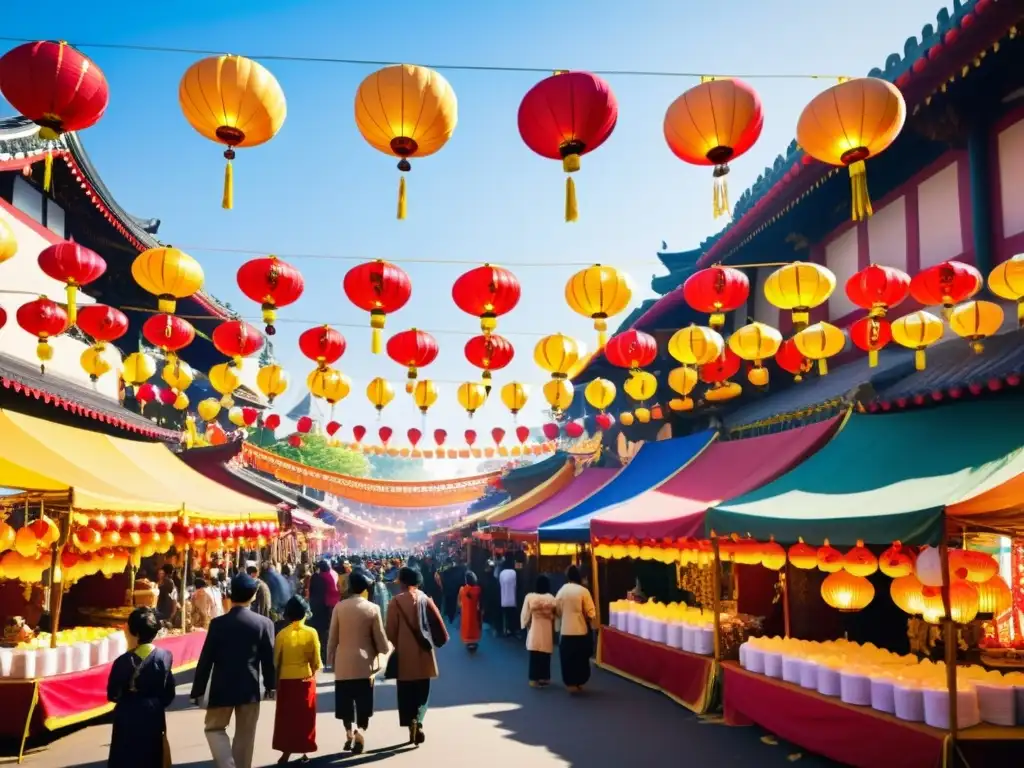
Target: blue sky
x: 319, y: 189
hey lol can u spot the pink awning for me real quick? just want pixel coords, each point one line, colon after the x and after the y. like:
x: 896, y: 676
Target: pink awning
x: 589, y: 481
x: 723, y: 471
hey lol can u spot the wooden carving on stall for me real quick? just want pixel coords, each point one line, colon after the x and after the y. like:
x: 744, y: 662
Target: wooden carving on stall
x: 627, y: 449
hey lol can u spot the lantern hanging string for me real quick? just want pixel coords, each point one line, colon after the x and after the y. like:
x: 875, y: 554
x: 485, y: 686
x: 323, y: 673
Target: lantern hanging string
x: 703, y: 76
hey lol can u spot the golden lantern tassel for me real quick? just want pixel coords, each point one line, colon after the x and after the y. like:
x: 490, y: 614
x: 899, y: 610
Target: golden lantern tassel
x: 71, y: 291
x: 572, y: 212
x: 377, y: 324
x: 872, y: 358
x: 823, y: 367
x: 401, y: 197
x: 228, y: 202
x: 1020, y: 313
x: 861, y: 201
x: 601, y: 326
x: 919, y: 359
x: 48, y: 171
x: 720, y: 205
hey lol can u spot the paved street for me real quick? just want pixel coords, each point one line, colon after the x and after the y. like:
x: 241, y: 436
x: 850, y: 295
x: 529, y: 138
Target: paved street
x: 483, y: 713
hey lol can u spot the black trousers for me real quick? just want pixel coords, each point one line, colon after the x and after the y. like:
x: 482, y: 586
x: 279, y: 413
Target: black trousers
x: 413, y: 697
x: 353, y: 702
x: 510, y: 617
x: 540, y: 667
x: 574, y: 654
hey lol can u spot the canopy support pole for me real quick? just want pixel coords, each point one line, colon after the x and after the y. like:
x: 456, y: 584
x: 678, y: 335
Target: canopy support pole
x: 596, y: 579
x: 57, y: 585
x: 784, y: 581
x: 186, y: 567
x: 716, y: 598
x: 950, y: 641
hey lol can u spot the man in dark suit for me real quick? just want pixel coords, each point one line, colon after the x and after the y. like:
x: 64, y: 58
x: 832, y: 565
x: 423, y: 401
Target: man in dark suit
x: 239, y: 645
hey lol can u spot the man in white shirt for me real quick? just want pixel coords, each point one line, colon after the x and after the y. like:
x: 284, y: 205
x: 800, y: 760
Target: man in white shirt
x: 507, y: 586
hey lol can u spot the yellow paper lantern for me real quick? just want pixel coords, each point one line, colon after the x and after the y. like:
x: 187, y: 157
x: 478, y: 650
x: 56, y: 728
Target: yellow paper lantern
x: 626, y: 419
x: 917, y: 331
x: 233, y: 101
x: 424, y: 394
x: 95, y: 361
x: 471, y: 396
x: 850, y: 122
x: 641, y: 385
x: 994, y: 596
x: 208, y: 409
x: 598, y: 292
x: 181, y: 402
x: 330, y: 385
x: 758, y: 377
x: 846, y: 592
x: 907, y: 593
x: 680, y: 404
x: 755, y: 342
x: 25, y: 542
x: 600, y: 393
x: 860, y: 561
x: 178, y: 375
x: 8, y: 243
x: 696, y: 345
x: 380, y: 392
x: 798, y: 288
x: 964, y: 602
x: 235, y: 417
x: 682, y: 380
x: 1007, y: 282
x: 169, y: 274
x: 643, y: 415
x: 272, y: 380
x: 406, y: 111
x: 728, y: 390
x: 138, y: 368
x: 773, y: 555
x: 976, y: 320
x: 514, y: 396
x: 820, y: 342
x: 225, y: 380
x: 559, y: 394
x: 557, y: 354
x: 803, y: 556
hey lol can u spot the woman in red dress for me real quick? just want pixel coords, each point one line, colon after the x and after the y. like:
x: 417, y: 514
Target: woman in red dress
x: 472, y: 607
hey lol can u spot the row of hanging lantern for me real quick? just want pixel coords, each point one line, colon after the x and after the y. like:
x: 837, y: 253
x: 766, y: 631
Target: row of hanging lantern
x: 236, y: 102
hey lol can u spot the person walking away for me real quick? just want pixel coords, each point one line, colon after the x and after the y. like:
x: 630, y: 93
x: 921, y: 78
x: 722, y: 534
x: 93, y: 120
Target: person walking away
x: 577, y: 612
x: 415, y: 628
x: 323, y: 596
x: 206, y: 605
x: 471, y: 605
x: 509, y: 607
x: 262, y: 602
x: 354, y: 647
x: 491, y: 599
x: 380, y: 595
x: 141, y: 686
x: 239, y: 647
x: 539, y: 612
x: 297, y: 660
x: 453, y: 580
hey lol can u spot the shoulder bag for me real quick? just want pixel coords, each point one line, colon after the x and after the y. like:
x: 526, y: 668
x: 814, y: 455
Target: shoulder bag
x: 391, y: 668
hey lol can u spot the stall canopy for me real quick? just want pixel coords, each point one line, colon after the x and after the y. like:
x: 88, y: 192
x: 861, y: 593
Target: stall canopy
x: 885, y: 478
x: 110, y: 474
x: 724, y: 470
x: 588, y: 483
x: 554, y: 485
x: 653, y: 464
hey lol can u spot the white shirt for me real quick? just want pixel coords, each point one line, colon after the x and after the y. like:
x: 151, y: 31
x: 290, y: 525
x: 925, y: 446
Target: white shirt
x: 576, y: 609
x: 507, y: 582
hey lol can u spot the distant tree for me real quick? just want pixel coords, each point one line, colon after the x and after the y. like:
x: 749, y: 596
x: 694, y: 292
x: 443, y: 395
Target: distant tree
x: 315, y: 452
x: 398, y: 468
x: 266, y: 354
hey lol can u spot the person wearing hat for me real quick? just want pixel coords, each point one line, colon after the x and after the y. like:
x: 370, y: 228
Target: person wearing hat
x: 239, y: 646
x: 297, y: 658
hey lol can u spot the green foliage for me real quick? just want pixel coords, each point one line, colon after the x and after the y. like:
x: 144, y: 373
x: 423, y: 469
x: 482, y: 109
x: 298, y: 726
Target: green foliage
x: 266, y: 354
x: 315, y: 452
x: 398, y: 468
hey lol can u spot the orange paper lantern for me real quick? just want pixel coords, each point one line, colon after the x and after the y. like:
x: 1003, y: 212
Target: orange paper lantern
x: 846, y: 592
x: 895, y: 562
x: 860, y: 561
x: 994, y: 596
x: 803, y: 556
x: 907, y: 593
x: 830, y: 559
x: 773, y: 556
x: 977, y: 567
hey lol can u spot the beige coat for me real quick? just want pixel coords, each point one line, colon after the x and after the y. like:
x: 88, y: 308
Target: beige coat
x: 356, y: 640
x: 414, y: 663
x: 576, y: 609
x: 539, y: 612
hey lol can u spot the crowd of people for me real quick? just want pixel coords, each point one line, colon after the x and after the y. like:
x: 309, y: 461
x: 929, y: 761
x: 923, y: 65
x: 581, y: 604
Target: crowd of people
x: 271, y: 630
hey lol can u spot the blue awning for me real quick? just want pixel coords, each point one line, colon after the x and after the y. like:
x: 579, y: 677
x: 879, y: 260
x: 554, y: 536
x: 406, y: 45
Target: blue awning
x: 654, y: 464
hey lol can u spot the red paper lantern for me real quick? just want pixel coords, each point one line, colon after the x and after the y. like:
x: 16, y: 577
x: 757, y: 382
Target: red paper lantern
x: 295, y: 441
x: 871, y: 334
x: 551, y: 430
x: 384, y: 433
x: 566, y: 116
x: 522, y: 434
x: 323, y: 345
x: 497, y: 435
x: 104, y: 324
x: 716, y: 290
x: 304, y: 424
x: 75, y: 266
x: 440, y: 436
x: 412, y: 349
x: 948, y: 283
x: 147, y: 393
x: 604, y: 421
x: 167, y: 396
x: 414, y: 436
x: 168, y: 333
x: 574, y: 430
x: 55, y: 86
x: 358, y: 432
x: 631, y: 349
x: 42, y: 318
x: 3, y: 317
x: 250, y: 416
x: 332, y: 428
x: 487, y: 292
x: 380, y: 288
x: 237, y: 339
x: 878, y: 289
x: 272, y: 422
x: 272, y: 284
x: 792, y: 360
x: 724, y: 368
x: 470, y: 437
x: 489, y: 352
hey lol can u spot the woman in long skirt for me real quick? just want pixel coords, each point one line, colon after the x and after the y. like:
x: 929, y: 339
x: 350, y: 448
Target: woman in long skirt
x: 576, y: 607
x: 471, y: 606
x: 297, y: 659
